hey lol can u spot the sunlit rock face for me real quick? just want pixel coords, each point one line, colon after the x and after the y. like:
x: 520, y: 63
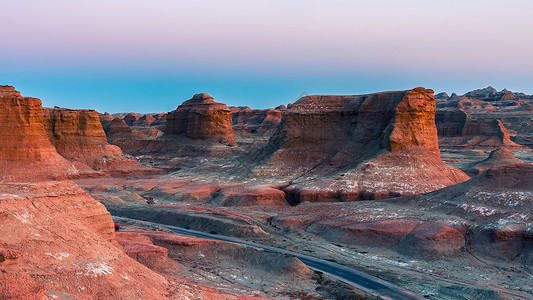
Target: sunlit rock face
x: 201, y: 118
x: 78, y: 136
x: 26, y: 154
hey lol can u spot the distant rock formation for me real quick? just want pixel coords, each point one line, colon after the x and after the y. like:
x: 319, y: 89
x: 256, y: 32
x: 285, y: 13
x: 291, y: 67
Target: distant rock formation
x: 26, y: 154
x: 131, y: 118
x: 457, y: 129
x: 498, y: 158
x: 78, y: 136
x: 255, y: 125
x: 379, y: 145
x: 201, y: 118
x: 514, y: 110
x: 498, y: 202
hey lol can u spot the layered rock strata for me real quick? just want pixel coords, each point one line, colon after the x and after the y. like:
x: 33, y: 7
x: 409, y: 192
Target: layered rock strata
x: 255, y: 125
x: 457, y: 129
x: 78, y: 136
x: 202, y: 118
x: 26, y: 154
x: 359, y: 147
x: 58, y: 242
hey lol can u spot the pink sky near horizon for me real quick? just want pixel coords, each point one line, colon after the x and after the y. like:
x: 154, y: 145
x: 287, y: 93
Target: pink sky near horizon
x: 337, y: 34
x: 299, y: 38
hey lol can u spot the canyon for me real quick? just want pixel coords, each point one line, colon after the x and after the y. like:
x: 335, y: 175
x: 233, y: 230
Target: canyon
x: 429, y: 192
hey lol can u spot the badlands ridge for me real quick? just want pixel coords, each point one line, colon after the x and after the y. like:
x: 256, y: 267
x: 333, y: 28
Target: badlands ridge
x: 432, y: 193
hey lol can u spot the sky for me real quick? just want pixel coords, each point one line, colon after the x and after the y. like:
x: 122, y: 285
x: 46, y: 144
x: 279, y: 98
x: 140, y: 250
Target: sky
x: 151, y: 55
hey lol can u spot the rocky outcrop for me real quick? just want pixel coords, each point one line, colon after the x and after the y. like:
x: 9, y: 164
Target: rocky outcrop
x: 26, y: 154
x: 514, y: 110
x: 250, y: 196
x: 202, y: 118
x: 498, y: 158
x: 356, y: 147
x: 141, y: 248
x: 65, y: 234
x: 78, y: 136
x: 255, y: 125
x: 131, y: 118
x: 498, y: 204
x: 457, y: 129
x: 128, y: 139
x: 61, y: 244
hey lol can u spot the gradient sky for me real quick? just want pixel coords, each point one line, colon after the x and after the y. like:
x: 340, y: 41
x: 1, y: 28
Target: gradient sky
x: 151, y: 55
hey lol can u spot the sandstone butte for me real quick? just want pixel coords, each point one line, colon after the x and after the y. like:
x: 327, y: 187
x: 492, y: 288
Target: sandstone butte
x: 79, y: 137
x: 359, y: 147
x: 202, y: 118
x: 24, y: 144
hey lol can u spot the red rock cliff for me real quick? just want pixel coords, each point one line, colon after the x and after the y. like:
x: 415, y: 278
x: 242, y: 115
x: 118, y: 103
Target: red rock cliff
x: 25, y: 151
x: 201, y: 118
x: 359, y: 147
x: 78, y: 136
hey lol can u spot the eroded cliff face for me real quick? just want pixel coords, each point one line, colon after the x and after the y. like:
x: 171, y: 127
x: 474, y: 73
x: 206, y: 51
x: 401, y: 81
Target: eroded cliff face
x: 202, y: 118
x: 25, y: 152
x: 325, y: 125
x: 514, y: 110
x: 359, y: 147
x: 255, y: 126
x: 457, y: 129
x: 78, y: 136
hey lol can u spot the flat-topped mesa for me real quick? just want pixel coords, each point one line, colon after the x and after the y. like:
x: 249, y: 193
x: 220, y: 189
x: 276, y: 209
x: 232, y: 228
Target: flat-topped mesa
x: 26, y: 154
x: 201, y: 118
x: 344, y: 148
x: 78, y: 135
x: 387, y: 120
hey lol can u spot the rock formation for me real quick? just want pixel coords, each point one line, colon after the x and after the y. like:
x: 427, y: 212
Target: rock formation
x: 255, y: 125
x: 120, y: 134
x: 498, y: 158
x: 58, y: 242
x: 131, y: 118
x: 202, y: 118
x: 514, y: 110
x: 498, y: 204
x: 65, y: 234
x: 457, y: 129
x: 25, y: 151
x: 357, y: 147
x: 78, y: 136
